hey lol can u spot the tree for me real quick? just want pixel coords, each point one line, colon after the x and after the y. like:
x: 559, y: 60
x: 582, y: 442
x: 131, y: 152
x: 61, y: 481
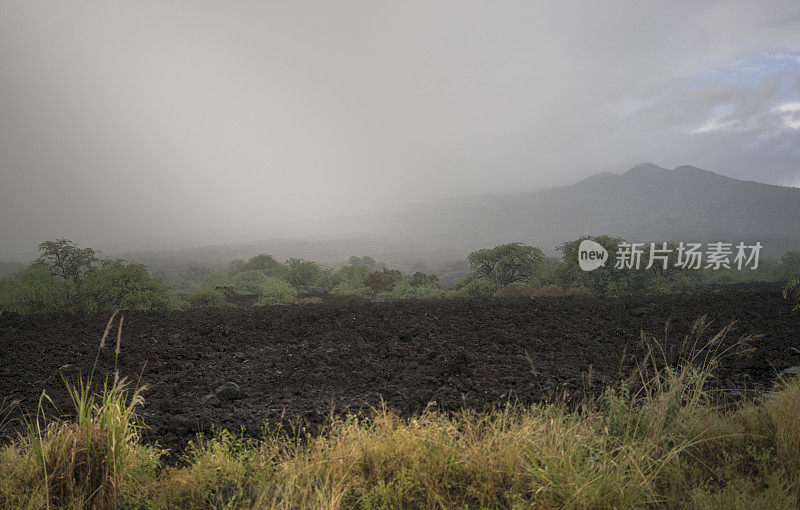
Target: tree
x: 353, y: 272
x: 599, y: 281
x: 506, y: 263
x: 264, y: 263
x: 365, y: 261
x: 120, y: 284
x: 250, y: 282
x: 420, y: 278
x: 349, y: 280
x: 608, y: 280
x: 278, y: 292
x: 64, y: 260
x: 302, y: 274
x: 383, y: 281
x: 65, y: 276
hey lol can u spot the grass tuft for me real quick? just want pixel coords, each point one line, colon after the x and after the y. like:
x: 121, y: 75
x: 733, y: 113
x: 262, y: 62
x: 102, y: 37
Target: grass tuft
x: 657, y: 440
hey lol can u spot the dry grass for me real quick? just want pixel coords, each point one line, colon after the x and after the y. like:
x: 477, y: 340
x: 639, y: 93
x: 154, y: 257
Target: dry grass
x: 81, y: 463
x: 84, y: 462
x: 664, y: 445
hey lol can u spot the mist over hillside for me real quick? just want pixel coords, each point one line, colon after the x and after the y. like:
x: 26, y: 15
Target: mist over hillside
x: 645, y: 203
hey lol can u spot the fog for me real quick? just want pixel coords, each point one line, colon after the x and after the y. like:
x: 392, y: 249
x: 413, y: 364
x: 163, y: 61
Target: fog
x: 168, y: 124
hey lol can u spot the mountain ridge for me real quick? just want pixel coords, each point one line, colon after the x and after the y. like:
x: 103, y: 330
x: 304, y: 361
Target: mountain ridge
x: 646, y: 203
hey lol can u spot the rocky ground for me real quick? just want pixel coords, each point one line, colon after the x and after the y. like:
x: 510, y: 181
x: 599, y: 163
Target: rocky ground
x: 241, y: 368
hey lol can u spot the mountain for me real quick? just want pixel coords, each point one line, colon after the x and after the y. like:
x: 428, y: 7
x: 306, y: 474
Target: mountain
x: 646, y: 203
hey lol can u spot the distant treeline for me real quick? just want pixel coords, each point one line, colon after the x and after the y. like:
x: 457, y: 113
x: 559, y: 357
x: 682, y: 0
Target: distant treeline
x: 65, y: 276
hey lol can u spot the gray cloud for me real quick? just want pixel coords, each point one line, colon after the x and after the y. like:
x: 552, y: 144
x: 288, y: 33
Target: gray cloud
x: 201, y: 122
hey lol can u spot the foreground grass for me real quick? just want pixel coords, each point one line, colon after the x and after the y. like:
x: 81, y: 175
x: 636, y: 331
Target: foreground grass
x: 664, y: 445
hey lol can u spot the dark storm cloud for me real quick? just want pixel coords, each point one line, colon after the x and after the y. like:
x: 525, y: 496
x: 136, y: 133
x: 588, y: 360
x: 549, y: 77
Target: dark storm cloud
x: 203, y: 122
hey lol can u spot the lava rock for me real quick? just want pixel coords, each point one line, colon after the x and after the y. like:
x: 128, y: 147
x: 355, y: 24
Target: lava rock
x: 228, y: 392
x: 210, y: 401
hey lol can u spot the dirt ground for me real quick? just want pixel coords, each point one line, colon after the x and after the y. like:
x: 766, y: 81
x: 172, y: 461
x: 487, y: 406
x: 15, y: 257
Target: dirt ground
x: 305, y: 361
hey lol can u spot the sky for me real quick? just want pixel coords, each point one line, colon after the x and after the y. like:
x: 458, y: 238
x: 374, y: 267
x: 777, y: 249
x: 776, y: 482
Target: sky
x: 138, y: 125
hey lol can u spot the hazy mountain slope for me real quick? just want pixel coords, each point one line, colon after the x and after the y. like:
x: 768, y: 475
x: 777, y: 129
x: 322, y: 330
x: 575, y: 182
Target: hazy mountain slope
x: 645, y: 203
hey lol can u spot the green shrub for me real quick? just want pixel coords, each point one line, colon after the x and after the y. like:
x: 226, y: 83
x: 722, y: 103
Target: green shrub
x: 207, y: 297
x: 406, y: 289
x: 609, y: 280
x: 67, y: 277
x: 303, y: 274
x: 277, y: 292
x: 351, y: 289
x: 479, y: 286
x: 366, y: 262
x: 327, y: 280
x: 384, y: 280
x: 251, y: 282
x: 117, y: 284
x: 264, y: 263
x: 350, y: 280
x: 33, y: 290
x: 227, y: 291
x: 354, y: 272
x: 420, y: 278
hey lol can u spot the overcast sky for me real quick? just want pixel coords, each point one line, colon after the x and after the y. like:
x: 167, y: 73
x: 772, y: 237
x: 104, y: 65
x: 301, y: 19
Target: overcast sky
x: 133, y: 123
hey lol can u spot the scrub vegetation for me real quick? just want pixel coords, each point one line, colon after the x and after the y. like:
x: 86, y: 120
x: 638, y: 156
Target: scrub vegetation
x: 67, y: 277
